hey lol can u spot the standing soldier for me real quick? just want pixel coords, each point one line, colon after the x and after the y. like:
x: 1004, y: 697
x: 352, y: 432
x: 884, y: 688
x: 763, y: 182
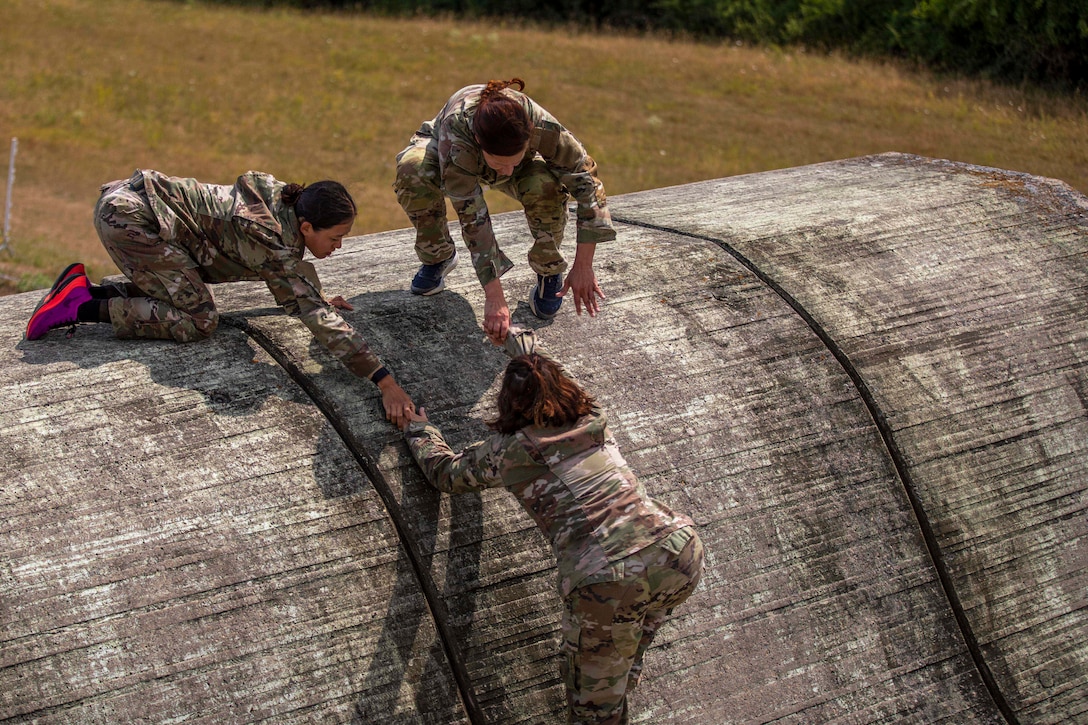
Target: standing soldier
x: 498, y: 137
x: 625, y: 560
x: 174, y: 236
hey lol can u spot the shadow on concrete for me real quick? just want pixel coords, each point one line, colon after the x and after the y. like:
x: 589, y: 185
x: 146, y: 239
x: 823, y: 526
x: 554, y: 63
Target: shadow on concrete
x: 417, y: 342
x: 235, y: 379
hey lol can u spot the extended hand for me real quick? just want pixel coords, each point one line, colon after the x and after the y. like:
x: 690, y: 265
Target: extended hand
x: 583, y: 283
x: 398, y: 406
x: 496, y: 312
x: 340, y: 303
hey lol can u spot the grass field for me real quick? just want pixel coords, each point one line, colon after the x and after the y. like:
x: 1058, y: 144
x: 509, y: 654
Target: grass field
x: 95, y: 88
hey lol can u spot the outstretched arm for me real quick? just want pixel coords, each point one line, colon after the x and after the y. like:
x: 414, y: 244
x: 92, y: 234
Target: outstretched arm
x: 486, y: 464
x: 496, y: 312
x: 298, y: 291
x: 582, y: 281
x: 523, y: 342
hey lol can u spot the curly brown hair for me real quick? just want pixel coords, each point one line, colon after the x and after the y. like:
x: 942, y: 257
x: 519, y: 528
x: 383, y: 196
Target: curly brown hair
x: 535, y: 391
x: 500, y: 123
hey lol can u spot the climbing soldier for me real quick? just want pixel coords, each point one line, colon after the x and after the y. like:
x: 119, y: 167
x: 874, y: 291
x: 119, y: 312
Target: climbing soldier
x: 496, y: 136
x: 173, y: 236
x: 624, y: 559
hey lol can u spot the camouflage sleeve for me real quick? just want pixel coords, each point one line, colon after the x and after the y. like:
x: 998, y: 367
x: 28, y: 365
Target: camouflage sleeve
x: 488, y: 260
x: 284, y: 292
x: 524, y: 342
x: 498, y: 461
x: 577, y: 172
x: 520, y: 342
x: 461, y: 168
x: 301, y: 297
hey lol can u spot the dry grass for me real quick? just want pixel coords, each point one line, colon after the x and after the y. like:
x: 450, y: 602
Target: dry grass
x: 96, y: 88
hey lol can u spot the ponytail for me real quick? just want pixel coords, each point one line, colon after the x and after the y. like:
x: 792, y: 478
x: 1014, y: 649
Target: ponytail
x: 501, y: 125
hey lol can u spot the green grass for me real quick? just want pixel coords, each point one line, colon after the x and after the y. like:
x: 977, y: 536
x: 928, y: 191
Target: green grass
x: 96, y: 88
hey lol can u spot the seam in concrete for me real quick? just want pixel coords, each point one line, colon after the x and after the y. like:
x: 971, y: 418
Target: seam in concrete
x: 898, y: 461
x: 437, y: 607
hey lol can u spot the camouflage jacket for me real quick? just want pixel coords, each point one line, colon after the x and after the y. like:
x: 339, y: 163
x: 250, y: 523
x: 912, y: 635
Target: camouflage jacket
x: 572, y: 481
x: 463, y: 170
x: 244, y: 232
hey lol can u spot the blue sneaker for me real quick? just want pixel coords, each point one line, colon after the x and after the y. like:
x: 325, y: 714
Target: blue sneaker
x: 543, y: 300
x: 431, y: 278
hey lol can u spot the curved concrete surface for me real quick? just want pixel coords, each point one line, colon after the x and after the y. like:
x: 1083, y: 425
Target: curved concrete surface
x: 866, y: 380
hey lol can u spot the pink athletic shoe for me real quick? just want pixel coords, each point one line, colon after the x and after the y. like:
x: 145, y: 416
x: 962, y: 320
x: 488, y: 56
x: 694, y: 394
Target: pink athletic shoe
x: 71, y: 270
x: 59, y: 306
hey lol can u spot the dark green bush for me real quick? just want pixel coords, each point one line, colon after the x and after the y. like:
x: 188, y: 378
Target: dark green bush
x: 1039, y: 41
x: 1045, y: 41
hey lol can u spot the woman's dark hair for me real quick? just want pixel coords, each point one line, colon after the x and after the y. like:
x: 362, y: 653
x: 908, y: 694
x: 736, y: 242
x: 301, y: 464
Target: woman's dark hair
x: 324, y: 204
x: 536, y: 392
x: 501, y: 124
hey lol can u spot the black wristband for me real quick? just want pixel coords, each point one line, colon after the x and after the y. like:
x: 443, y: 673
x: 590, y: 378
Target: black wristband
x: 379, y: 375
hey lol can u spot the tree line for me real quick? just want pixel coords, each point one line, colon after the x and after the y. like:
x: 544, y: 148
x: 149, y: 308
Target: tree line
x: 1043, y: 42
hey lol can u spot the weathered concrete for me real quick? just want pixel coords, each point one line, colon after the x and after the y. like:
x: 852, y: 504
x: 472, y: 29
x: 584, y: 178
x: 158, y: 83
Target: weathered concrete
x: 866, y: 380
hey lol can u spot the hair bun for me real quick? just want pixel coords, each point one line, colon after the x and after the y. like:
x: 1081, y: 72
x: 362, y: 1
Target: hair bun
x: 291, y: 193
x: 494, y: 87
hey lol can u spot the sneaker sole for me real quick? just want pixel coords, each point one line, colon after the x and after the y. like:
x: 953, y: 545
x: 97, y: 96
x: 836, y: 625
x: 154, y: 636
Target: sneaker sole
x: 432, y: 291
x: 441, y: 281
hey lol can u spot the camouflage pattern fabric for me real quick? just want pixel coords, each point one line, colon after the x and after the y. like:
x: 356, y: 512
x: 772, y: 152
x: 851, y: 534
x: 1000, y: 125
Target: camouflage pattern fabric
x: 573, y: 482
x: 178, y: 305
x: 608, y: 626
x: 172, y: 237
x: 443, y: 159
x: 624, y: 559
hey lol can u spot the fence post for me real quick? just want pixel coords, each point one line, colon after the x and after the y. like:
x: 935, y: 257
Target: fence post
x: 5, y: 240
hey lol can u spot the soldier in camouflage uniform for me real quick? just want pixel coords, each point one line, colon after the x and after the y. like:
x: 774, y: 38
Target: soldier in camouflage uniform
x: 173, y: 236
x: 498, y: 137
x: 624, y: 560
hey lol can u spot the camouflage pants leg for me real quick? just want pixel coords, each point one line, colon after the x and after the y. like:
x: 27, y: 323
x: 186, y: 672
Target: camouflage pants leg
x: 419, y: 192
x: 608, y: 626
x: 545, y: 203
x: 176, y: 303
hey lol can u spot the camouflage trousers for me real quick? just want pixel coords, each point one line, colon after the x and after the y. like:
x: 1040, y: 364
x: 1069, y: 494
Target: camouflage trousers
x: 608, y: 626
x: 419, y: 191
x: 168, y: 299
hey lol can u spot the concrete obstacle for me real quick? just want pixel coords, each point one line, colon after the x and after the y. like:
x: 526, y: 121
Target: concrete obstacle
x: 867, y: 381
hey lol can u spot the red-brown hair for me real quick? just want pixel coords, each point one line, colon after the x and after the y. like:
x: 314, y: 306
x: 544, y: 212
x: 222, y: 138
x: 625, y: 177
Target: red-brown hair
x: 501, y: 124
x: 536, y: 392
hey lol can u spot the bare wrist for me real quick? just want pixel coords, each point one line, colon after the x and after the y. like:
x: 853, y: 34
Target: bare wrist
x: 493, y: 291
